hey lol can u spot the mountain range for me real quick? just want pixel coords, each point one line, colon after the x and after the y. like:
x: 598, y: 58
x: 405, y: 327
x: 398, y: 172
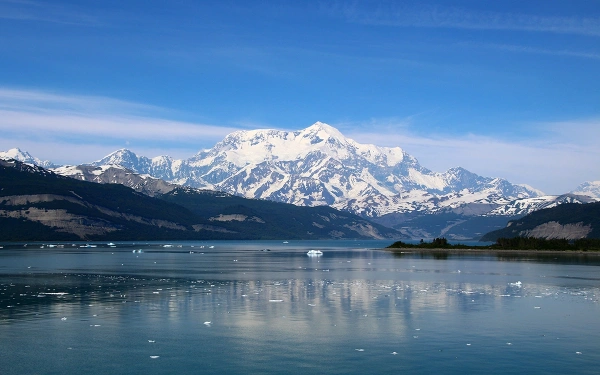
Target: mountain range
x: 37, y: 204
x: 319, y: 166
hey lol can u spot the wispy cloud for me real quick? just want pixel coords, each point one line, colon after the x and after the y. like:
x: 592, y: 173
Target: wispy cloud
x: 37, y: 116
x: 438, y: 16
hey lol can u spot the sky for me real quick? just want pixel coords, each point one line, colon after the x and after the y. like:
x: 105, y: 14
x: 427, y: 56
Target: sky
x: 503, y: 88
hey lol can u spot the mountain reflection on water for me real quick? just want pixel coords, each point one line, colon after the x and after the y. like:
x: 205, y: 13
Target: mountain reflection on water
x: 239, y: 308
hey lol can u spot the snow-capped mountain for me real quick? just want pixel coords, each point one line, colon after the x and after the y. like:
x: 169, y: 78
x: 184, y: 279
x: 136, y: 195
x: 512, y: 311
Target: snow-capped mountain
x: 25, y: 157
x: 521, y: 207
x: 116, y: 174
x: 319, y: 166
x: 589, y: 188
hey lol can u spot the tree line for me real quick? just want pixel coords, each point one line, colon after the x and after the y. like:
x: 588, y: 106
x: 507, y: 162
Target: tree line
x: 514, y: 243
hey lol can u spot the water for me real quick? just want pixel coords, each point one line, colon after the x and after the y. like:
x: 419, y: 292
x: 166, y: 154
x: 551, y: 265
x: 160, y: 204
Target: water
x: 268, y: 308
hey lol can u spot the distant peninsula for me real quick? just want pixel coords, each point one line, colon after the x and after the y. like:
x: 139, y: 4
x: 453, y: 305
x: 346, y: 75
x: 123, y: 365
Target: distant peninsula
x: 502, y: 244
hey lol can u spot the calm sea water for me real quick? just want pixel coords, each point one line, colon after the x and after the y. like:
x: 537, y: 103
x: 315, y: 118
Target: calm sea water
x: 268, y: 308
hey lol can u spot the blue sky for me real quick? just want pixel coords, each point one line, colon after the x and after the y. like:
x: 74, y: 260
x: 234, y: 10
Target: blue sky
x: 503, y: 88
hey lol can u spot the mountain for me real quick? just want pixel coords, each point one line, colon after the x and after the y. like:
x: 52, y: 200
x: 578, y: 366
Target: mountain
x: 570, y: 221
x: 37, y: 204
x: 589, y: 188
x: 524, y: 206
x: 319, y: 166
x: 116, y: 174
x: 25, y: 157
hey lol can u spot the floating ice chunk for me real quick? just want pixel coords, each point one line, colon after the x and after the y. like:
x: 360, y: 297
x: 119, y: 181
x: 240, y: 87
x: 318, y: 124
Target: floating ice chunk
x: 537, y: 307
x: 63, y: 318
x: 207, y: 324
x: 151, y: 341
x: 393, y: 353
x: 577, y: 352
x: 359, y: 350
x: 509, y: 343
x: 275, y: 300
x: 154, y: 356
x: 314, y: 253
x: 517, y: 284
x: 54, y: 293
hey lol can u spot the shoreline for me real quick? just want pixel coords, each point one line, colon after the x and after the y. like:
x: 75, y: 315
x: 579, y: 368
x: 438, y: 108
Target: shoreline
x: 493, y: 251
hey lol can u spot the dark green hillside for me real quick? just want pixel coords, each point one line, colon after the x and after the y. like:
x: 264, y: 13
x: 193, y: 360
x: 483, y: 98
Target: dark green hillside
x: 268, y: 219
x: 113, y: 196
x: 36, y: 204
x: 569, y: 215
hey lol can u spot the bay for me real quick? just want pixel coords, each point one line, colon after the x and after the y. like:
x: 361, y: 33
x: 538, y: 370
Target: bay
x: 265, y: 307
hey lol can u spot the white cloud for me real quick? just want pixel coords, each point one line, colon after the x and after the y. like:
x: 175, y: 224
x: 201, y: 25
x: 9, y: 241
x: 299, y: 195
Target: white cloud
x: 90, y: 124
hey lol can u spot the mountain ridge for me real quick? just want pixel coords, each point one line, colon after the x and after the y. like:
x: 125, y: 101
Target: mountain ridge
x: 38, y: 204
x: 318, y: 166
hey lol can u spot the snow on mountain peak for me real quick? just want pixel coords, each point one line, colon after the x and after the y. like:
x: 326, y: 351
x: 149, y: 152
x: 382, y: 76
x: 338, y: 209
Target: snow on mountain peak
x: 589, y: 188
x: 24, y: 157
x: 255, y: 146
x: 322, y: 130
x: 123, y: 157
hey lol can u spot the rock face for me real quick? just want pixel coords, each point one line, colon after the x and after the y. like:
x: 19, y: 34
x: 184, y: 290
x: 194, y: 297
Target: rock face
x: 555, y: 230
x: 571, y: 221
